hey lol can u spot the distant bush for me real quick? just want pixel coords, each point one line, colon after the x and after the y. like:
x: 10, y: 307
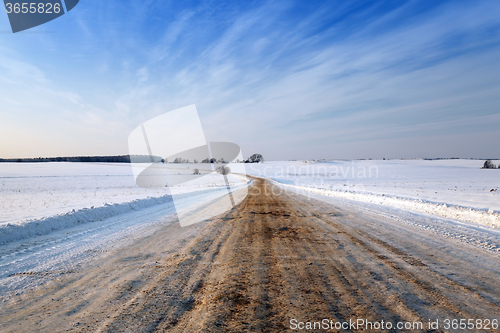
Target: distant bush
x: 255, y: 158
x: 489, y: 165
x: 196, y: 172
x: 223, y: 170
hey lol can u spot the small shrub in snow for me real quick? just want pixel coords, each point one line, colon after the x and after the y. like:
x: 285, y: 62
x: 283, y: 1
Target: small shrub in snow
x: 255, y: 158
x: 196, y: 172
x: 223, y: 170
x: 489, y: 165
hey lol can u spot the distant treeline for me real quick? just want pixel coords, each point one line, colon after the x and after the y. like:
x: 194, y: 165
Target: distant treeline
x: 95, y: 159
x: 255, y: 158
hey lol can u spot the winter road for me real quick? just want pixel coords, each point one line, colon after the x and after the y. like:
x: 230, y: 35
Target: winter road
x: 276, y: 260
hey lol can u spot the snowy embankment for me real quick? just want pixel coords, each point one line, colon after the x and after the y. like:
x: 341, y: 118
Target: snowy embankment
x: 457, y: 189
x: 39, y: 198
x: 468, y: 214
x: 24, y: 229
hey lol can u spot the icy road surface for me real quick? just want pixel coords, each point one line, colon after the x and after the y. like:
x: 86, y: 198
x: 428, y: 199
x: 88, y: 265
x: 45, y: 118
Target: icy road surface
x: 277, y: 256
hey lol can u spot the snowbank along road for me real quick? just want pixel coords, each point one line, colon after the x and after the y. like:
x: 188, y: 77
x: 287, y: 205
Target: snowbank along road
x: 276, y: 262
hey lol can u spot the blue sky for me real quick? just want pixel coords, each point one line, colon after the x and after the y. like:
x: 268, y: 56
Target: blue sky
x: 290, y: 80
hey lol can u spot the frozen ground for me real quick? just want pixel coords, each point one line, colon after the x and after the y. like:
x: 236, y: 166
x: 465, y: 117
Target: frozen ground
x: 457, y: 189
x: 283, y: 252
x: 96, y: 273
x: 65, y: 250
x: 38, y: 198
x: 479, y: 236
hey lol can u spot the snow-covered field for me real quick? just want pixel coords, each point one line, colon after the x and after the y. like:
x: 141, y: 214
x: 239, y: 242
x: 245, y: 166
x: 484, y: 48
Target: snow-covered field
x: 37, y: 198
x: 54, y: 200
x: 456, y: 188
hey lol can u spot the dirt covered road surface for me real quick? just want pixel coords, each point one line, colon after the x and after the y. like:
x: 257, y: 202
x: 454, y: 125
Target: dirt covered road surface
x: 276, y: 262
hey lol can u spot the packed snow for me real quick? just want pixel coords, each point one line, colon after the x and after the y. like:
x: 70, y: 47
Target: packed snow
x: 53, y: 201
x: 455, y: 188
x: 476, y: 235
x: 38, y: 198
x: 67, y: 249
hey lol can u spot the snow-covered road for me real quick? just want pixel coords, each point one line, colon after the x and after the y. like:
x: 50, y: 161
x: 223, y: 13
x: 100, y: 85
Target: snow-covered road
x: 276, y: 256
x: 115, y: 260
x: 66, y: 250
x: 476, y: 235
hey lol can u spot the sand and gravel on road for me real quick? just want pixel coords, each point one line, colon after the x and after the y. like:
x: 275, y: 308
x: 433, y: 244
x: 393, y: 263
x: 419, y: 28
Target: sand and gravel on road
x: 274, y: 259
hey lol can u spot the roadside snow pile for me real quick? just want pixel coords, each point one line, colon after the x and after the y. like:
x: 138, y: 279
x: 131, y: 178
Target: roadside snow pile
x: 38, y: 198
x: 33, y: 191
x: 489, y: 218
x: 11, y: 232
x: 16, y: 231
x: 454, y: 188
